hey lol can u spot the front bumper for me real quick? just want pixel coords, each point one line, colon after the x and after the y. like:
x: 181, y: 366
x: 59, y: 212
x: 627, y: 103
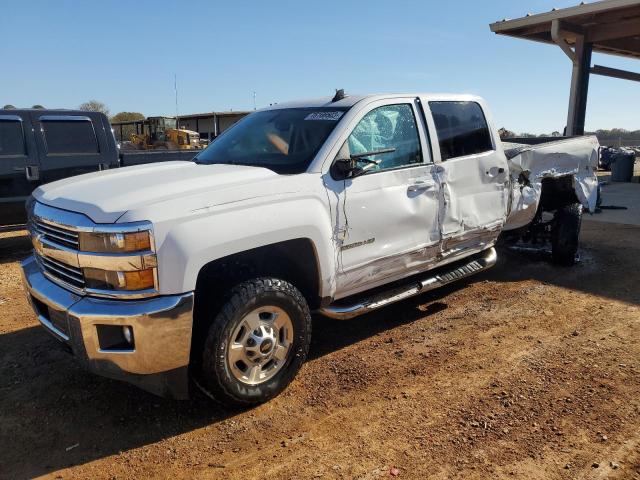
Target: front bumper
x: 157, y: 361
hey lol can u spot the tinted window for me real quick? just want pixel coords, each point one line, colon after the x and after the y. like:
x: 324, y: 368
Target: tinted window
x: 462, y: 128
x: 389, y: 127
x: 11, y: 138
x: 285, y: 140
x: 69, y: 136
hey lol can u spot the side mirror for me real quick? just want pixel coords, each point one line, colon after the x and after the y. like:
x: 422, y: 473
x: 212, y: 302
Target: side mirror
x: 344, y: 168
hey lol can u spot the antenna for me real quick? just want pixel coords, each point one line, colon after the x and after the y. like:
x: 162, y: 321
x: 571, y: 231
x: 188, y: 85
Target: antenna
x: 338, y: 96
x: 175, y: 87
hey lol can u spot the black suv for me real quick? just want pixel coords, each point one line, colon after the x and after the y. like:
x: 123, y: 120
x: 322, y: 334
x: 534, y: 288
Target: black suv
x: 40, y: 146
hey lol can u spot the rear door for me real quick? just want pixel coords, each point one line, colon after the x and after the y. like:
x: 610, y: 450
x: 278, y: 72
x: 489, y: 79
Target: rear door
x: 70, y: 144
x: 18, y: 167
x: 472, y: 172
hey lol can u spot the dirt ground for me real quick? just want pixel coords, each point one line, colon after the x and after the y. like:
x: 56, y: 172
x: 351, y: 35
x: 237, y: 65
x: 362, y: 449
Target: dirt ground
x: 526, y: 371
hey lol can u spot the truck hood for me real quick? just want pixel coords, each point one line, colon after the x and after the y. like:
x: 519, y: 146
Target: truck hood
x: 106, y: 196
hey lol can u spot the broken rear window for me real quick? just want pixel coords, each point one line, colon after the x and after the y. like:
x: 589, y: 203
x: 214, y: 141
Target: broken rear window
x: 462, y: 129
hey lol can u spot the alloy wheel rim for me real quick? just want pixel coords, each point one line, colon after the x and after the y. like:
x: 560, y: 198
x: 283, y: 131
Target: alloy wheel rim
x: 260, y: 345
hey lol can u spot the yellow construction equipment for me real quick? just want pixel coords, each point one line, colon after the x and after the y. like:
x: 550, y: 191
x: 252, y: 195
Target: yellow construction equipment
x: 162, y: 133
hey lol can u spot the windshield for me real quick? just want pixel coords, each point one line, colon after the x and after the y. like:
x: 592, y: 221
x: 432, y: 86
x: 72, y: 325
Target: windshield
x: 284, y: 141
x: 169, y: 123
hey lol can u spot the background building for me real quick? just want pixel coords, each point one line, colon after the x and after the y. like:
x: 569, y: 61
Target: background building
x: 208, y: 125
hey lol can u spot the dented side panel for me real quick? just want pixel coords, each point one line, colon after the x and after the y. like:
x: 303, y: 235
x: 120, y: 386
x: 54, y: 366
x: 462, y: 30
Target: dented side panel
x: 474, y: 188
x: 474, y: 196
x: 382, y: 226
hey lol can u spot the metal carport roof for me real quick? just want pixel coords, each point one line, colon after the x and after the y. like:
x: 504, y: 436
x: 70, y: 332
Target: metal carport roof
x: 610, y: 27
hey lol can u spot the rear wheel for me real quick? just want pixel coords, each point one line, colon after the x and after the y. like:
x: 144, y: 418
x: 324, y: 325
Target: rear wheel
x: 565, y: 233
x: 256, y: 343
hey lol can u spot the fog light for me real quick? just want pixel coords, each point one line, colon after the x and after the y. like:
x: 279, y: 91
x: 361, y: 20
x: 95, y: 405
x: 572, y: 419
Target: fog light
x: 128, y: 334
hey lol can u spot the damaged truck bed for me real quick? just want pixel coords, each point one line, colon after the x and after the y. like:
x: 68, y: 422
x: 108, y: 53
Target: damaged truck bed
x: 570, y: 162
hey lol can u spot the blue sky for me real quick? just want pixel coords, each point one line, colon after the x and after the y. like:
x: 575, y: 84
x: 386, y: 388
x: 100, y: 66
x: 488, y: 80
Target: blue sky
x: 61, y: 53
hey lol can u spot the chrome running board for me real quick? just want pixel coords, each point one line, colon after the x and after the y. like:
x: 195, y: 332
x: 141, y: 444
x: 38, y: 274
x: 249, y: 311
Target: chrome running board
x: 342, y: 311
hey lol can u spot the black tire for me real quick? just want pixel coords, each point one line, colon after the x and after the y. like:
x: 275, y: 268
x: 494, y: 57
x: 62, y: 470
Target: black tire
x: 565, y: 234
x: 217, y: 379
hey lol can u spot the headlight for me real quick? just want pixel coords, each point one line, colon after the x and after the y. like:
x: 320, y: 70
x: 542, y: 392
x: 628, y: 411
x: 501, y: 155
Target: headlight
x: 110, y: 257
x: 115, y: 242
x: 110, y: 280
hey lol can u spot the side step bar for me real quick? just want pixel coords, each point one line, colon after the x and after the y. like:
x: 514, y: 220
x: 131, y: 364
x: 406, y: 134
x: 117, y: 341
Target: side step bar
x: 486, y: 260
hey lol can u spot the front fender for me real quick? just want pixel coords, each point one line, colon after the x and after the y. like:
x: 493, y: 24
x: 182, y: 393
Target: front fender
x: 224, y: 230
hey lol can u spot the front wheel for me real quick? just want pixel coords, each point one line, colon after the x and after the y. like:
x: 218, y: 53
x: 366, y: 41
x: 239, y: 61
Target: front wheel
x: 565, y: 233
x: 256, y: 343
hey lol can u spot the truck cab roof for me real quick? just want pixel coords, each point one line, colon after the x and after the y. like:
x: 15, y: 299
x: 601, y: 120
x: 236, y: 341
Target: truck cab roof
x: 350, y: 100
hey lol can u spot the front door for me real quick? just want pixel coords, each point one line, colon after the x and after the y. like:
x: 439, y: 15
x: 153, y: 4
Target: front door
x: 472, y: 173
x: 386, y: 218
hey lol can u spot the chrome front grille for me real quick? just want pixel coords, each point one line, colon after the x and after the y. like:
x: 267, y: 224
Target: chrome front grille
x: 62, y: 272
x: 57, y: 234
x: 56, y: 246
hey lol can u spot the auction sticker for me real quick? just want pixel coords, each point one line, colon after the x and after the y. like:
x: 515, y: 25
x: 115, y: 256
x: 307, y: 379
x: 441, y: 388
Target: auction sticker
x: 326, y: 116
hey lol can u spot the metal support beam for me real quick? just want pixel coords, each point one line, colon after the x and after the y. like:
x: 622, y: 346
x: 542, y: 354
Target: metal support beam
x: 580, y: 57
x: 559, y: 39
x: 579, y: 87
x: 615, y: 73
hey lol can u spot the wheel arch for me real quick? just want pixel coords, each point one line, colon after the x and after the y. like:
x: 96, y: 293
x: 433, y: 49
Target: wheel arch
x: 557, y: 192
x: 295, y: 261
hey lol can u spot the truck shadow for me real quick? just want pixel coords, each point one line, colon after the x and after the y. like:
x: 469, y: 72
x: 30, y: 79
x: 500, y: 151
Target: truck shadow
x: 83, y: 417
x: 14, y: 246
x: 64, y: 416
x: 609, y: 264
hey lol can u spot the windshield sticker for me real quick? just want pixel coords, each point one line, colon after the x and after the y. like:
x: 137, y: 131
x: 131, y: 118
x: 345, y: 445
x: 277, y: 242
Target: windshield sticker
x: 326, y: 116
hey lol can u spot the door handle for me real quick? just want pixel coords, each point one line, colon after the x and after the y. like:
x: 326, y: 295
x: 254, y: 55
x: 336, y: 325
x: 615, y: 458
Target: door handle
x: 421, y: 184
x: 32, y: 172
x: 495, y: 171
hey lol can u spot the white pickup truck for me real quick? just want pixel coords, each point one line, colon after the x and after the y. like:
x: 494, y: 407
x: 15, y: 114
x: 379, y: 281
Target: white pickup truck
x: 210, y: 269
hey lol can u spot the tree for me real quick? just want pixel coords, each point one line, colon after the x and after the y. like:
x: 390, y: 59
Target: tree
x: 127, y: 117
x: 9, y: 107
x: 38, y: 106
x: 94, y: 106
x: 504, y: 133
x: 124, y: 132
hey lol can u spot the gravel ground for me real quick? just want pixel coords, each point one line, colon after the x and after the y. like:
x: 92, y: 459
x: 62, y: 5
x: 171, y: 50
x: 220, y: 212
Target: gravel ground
x: 525, y: 371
